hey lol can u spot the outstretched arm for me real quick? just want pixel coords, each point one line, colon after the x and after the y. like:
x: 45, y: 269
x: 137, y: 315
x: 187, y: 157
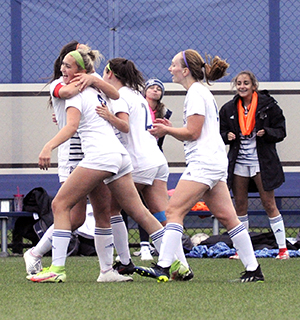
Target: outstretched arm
x: 191, y: 132
x: 84, y: 80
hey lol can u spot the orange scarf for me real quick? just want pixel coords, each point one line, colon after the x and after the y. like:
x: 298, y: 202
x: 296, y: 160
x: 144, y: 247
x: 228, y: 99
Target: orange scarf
x: 247, y: 122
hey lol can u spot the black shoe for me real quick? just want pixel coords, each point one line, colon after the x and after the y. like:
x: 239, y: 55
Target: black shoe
x: 252, y: 276
x: 124, y: 269
x: 189, y: 276
x: 156, y: 272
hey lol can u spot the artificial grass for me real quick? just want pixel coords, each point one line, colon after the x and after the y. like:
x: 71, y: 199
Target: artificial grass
x: 210, y: 295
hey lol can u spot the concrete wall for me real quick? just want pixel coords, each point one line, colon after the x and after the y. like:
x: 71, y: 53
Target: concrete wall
x: 26, y: 122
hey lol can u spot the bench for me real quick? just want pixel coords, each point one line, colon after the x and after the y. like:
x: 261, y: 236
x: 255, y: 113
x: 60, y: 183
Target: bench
x: 288, y: 192
x: 4, y: 218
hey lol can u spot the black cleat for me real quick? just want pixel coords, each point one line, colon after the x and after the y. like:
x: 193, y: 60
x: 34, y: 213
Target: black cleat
x: 252, y: 276
x: 124, y: 269
x: 156, y: 272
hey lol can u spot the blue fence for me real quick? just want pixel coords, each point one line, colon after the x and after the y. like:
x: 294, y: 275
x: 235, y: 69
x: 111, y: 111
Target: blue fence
x: 263, y: 36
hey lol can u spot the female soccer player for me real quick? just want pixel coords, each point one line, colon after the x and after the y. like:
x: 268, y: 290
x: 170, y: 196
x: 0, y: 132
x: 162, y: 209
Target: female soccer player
x: 206, y: 171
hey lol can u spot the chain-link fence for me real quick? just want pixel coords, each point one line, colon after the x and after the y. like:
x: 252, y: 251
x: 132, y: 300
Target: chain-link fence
x: 262, y: 36
x: 198, y: 223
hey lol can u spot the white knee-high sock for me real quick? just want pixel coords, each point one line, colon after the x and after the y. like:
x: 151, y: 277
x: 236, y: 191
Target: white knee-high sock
x: 45, y: 243
x: 179, y: 254
x: 120, y: 234
x: 157, y: 238
x: 245, y: 221
x: 60, y: 243
x: 243, y: 245
x: 171, y: 241
x: 277, y: 226
x: 104, y: 247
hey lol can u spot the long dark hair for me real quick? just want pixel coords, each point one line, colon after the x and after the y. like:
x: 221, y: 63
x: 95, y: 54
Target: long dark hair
x: 126, y: 71
x: 57, y: 64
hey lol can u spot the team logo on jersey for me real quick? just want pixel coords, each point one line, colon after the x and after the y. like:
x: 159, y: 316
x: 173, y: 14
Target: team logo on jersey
x: 101, y: 99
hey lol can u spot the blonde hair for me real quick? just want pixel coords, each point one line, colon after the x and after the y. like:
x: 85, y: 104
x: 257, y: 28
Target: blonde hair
x: 91, y: 58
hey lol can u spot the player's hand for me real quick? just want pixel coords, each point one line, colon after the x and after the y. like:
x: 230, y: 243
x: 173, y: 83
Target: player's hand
x: 163, y: 121
x: 231, y: 136
x: 261, y: 132
x: 54, y: 118
x: 44, y: 158
x: 103, y: 111
x: 83, y: 80
x: 159, y: 130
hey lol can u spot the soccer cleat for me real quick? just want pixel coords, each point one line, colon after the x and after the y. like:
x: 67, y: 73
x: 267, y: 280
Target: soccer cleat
x: 156, y: 272
x: 283, y: 255
x: 51, y: 274
x: 153, y: 252
x: 146, y: 253
x: 33, y: 263
x: 112, y: 276
x: 188, y: 276
x: 124, y: 268
x: 180, y: 272
x: 235, y: 257
x: 252, y: 276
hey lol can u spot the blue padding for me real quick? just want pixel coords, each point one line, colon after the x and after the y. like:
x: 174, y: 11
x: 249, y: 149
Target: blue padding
x: 27, y: 182
x: 290, y: 188
x: 160, y: 216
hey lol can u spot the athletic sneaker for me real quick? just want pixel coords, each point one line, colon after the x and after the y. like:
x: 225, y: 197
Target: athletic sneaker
x: 124, y: 268
x: 146, y: 253
x: 180, y: 272
x: 252, y: 276
x: 235, y: 257
x: 156, y: 272
x: 283, y: 255
x: 153, y: 252
x: 112, y: 276
x: 51, y: 274
x: 33, y: 263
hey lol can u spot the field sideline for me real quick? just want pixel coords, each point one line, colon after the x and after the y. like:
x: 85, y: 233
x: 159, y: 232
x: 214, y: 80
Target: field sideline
x: 210, y: 295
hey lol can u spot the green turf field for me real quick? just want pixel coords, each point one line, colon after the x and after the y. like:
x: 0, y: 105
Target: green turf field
x: 210, y: 295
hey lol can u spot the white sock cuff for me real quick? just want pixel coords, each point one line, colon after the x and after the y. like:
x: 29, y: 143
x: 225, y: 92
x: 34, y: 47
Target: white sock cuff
x: 61, y: 233
x: 276, y: 219
x: 174, y: 226
x: 103, y: 231
x: 116, y: 219
x: 236, y: 230
x: 157, y: 234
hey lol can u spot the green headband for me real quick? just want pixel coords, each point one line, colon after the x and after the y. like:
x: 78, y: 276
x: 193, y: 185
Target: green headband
x: 78, y: 57
x: 108, y: 68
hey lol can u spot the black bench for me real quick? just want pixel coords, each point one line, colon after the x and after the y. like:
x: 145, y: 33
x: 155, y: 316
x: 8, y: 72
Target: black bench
x: 4, y: 218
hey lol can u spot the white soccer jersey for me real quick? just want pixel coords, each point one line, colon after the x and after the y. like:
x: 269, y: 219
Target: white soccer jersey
x: 96, y: 134
x: 140, y: 144
x: 209, y: 148
x: 69, y: 153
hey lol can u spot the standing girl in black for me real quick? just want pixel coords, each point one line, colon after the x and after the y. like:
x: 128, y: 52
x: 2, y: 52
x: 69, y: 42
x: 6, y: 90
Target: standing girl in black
x: 252, y: 123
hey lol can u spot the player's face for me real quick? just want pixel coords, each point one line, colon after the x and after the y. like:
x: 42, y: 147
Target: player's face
x: 154, y: 92
x: 176, y: 69
x: 68, y: 68
x: 105, y: 75
x: 244, y: 86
